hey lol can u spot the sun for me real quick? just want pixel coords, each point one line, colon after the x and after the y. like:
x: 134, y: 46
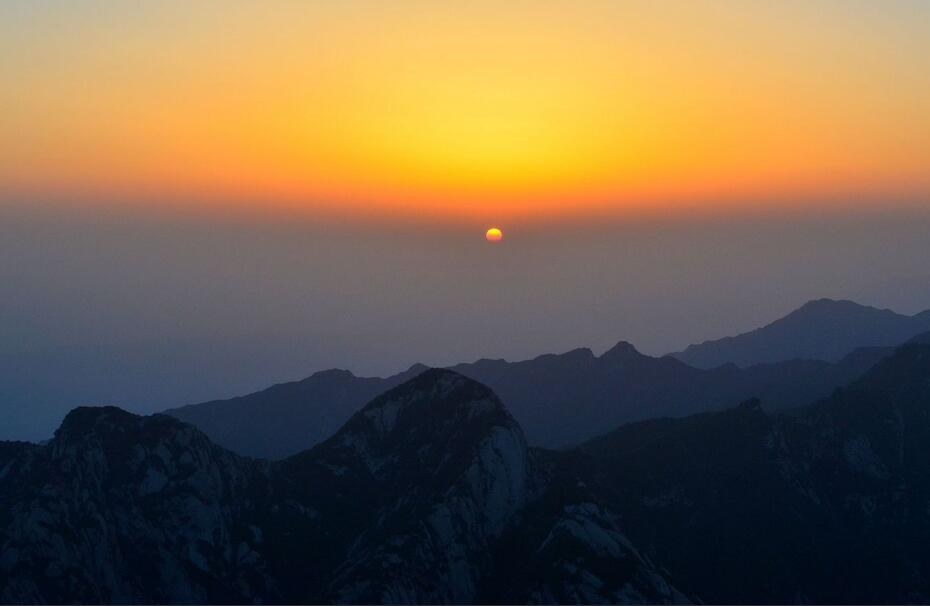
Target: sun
x: 494, y: 235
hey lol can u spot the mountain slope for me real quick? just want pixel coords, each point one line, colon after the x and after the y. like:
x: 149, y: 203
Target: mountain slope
x: 407, y: 503
x: 833, y: 499
x: 558, y: 400
x: 119, y: 508
x: 819, y: 330
x: 430, y: 494
x: 290, y: 417
x: 449, y: 467
x: 562, y: 400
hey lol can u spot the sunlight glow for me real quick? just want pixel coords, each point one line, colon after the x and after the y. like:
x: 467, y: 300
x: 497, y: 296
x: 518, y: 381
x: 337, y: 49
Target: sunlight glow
x: 473, y: 110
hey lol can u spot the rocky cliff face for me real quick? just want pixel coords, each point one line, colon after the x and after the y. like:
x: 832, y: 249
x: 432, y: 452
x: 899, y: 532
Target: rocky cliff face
x: 450, y: 470
x: 119, y: 508
x: 411, y: 501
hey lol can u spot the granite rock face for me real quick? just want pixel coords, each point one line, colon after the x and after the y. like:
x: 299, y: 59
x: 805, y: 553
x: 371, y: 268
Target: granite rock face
x: 409, y: 502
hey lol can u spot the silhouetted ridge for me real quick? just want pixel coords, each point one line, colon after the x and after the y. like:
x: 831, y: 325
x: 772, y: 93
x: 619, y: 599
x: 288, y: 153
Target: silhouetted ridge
x: 823, y: 329
x: 447, y: 385
x: 620, y: 352
x: 435, y: 403
x: 333, y: 373
x: 908, y: 368
x: 87, y: 419
x: 289, y: 417
x: 416, y: 369
x: 828, y: 306
x: 832, y: 498
x: 559, y: 399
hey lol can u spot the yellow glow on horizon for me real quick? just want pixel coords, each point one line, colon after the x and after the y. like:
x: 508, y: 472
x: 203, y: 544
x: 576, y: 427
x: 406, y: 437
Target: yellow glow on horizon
x: 484, y: 110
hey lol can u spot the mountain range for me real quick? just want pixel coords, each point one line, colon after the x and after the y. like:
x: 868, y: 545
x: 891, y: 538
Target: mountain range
x: 824, y: 329
x: 563, y: 399
x: 828, y: 504
x: 559, y: 400
x: 430, y: 493
x: 407, y: 503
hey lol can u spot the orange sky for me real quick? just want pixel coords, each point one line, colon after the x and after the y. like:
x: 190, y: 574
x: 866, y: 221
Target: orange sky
x: 486, y: 110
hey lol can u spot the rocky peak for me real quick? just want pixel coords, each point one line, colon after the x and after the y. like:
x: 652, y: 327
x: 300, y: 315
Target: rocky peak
x: 84, y: 420
x: 451, y: 466
x: 433, y: 407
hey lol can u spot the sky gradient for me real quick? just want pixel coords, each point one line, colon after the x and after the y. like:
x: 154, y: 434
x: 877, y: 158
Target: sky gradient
x: 199, y: 199
x: 481, y: 110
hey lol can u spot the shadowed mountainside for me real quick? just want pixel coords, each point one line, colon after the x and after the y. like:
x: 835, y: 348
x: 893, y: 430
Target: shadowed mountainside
x: 830, y: 504
x: 290, y: 417
x: 407, y: 503
x: 430, y: 494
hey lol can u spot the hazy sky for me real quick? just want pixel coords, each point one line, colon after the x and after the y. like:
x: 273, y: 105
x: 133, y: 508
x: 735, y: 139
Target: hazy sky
x: 200, y: 198
x: 441, y: 294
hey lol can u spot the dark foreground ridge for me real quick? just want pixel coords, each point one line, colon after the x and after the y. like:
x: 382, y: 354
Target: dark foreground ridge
x: 430, y: 494
x: 408, y: 502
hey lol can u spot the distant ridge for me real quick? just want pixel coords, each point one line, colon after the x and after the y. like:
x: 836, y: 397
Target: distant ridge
x: 823, y: 329
x: 558, y: 399
x: 289, y: 417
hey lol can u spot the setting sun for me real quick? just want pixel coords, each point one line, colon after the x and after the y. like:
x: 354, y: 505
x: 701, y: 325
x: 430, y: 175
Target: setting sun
x: 494, y: 235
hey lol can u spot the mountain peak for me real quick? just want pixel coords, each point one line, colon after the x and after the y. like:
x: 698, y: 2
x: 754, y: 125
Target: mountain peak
x: 821, y: 329
x: 429, y: 413
x: 333, y: 373
x: 578, y: 355
x: 442, y: 379
x: 94, y: 425
x: 835, y: 306
x: 623, y: 350
x: 86, y: 419
x: 439, y: 388
x: 826, y: 302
